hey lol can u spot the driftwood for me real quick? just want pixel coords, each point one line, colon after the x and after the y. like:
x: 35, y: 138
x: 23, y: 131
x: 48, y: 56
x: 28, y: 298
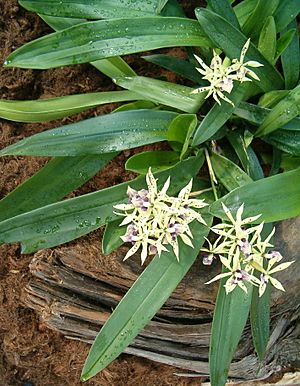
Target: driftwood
x: 76, y: 297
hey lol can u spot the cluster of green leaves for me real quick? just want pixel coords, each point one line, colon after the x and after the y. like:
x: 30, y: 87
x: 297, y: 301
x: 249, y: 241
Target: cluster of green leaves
x: 265, y: 113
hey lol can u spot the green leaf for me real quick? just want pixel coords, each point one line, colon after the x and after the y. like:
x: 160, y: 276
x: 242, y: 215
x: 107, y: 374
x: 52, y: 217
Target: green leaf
x: 142, y: 301
x: 157, y: 160
x: 112, y: 67
x: 287, y: 109
x: 136, y: 106
x: 179, y: 66
x: 95, y: 9
x: 231, y: 41
x: 289, y: 162
x: 256, y: 115
x: 244, y: 9
x: 167, y: 93
x: 60, y: 23
x: 283, y: 42
x: 58, y: 223
x: 103, y: 134
x: 218, y: 116
x: 54, y: 108
x: 180, y: 132
x: 260, y: 311
x: 267, y: 39
x: 290, y: 59
x: 54, y: 181
x: 229, y: 174
x: 96, y: 40
x: 112, y: 236
x: 275, y: 198
x: 173, y: 8
x: 246, y: 155
x: 230, y: 316
x: 270, y: 99
x: 285, y: 140
x: 286, y: 12
x: 257, y: 18
x: 224, y: 9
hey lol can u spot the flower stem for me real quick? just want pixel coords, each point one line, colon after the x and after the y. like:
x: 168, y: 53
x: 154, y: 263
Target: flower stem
x: 212, y: 176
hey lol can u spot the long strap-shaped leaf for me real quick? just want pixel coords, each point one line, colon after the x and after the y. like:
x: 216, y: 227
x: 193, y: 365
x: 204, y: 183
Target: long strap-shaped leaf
x: 231, y: 41
x: 167, y: 93
x: 50, y: 184
x: 91, y: 41
x: 95, y: 9
x: 141, y: 302
x: 112, y: 67
x: 230, y: 316
x: 64, y: 221
x: 104, y: 134
x: 263, y: 196
x: 43, y: 110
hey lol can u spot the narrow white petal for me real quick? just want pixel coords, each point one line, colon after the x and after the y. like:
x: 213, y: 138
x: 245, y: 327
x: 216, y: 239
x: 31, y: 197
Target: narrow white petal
x: 218, y: 277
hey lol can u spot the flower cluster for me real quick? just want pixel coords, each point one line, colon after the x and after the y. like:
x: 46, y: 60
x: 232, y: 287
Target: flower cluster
x: 155, y: 219
x: 221, y: 76
x: 242, y: 252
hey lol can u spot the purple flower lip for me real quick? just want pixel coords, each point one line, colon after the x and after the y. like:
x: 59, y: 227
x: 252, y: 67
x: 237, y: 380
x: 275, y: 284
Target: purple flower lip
x: 152, y: 250
x: 241, y: 275
x: 273, y: 255
x: 139, y: 199
x: 207, y: 259
x: 264, y: 279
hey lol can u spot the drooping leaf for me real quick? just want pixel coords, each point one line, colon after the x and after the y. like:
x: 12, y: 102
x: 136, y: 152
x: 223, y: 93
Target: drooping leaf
x: 257, y: 18
x: 42, y: 110
x: 112, y: 67
x: 218, y: 116
x: 95, y: 9
x: 286, y: 12
x: 230, y: 317
x: 287, y: 109
x: 58, y: 223
x: 102, y: 39
x: 103, y: 134
x: 167, y: 93
x: 50, y: 184
x: 231, y: 41
x: 261, y: 197
x: 141, y: 302
x: 179, y: 66
x: 156, y: 159
x: 290, y: 60
x: 228, y: 173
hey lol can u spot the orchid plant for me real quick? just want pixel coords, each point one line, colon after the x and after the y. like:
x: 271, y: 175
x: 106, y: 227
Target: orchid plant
x: 244, y: 141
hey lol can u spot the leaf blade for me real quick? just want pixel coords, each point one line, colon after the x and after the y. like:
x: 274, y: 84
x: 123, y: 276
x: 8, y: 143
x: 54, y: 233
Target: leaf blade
x: 260, y: 197
x: 103, y: 134
x: 81, y: 43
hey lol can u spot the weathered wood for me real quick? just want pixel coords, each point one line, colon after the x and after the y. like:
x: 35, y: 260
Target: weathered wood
x: 75, y: 296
